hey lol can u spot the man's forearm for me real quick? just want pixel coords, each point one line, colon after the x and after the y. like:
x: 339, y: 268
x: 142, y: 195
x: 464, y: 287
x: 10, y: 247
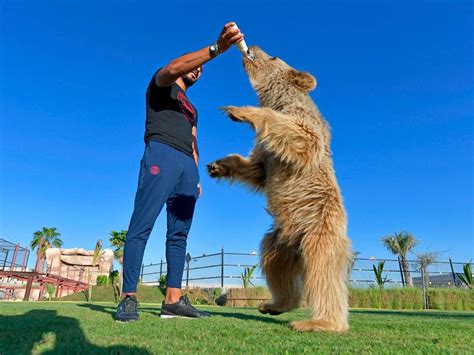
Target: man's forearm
x: 182, y: 65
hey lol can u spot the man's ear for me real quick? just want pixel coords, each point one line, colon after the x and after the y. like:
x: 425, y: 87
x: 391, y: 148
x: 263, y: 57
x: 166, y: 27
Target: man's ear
x: 302, y: 80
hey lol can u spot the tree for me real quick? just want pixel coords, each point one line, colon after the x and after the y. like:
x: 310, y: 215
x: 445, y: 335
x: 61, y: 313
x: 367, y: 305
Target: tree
x: 401, y: 244
x: 47, y: 238
x: 114, y: 282
x: 95, y: 259
x: 424, y: 260
x: 117, y: 240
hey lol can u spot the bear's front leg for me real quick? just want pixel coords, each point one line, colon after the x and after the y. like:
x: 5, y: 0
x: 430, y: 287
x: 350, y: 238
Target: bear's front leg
x: 236, y: 167
x: 256, y: 116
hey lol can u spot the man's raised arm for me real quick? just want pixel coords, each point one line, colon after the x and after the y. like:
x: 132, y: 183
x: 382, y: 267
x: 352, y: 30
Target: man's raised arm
x: 190, y: 61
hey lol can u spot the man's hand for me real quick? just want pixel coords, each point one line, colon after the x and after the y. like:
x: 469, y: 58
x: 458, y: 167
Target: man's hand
x: 229, y: 36
x: 200, y: 189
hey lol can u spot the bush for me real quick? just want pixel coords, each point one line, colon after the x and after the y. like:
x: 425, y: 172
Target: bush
x: 388, y: 298
x: 102, y: 280
x: 247, y: 297
x: 162, y: 284
x: 145, y: 294
x: 50, y: 289
x: 205, y: 296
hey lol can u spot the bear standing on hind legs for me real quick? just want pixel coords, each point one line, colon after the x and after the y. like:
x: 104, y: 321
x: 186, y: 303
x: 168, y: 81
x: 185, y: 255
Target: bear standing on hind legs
x: 307, y: 252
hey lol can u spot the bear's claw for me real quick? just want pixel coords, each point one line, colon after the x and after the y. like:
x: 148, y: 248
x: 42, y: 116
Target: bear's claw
x: 231, y: 111
x: 216, y: 170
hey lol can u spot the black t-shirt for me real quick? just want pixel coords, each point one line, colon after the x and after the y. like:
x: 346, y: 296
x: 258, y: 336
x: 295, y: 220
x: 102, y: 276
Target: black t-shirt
x: 170, y: 117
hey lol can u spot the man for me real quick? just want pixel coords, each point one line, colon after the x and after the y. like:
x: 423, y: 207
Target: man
x: 168, y: 174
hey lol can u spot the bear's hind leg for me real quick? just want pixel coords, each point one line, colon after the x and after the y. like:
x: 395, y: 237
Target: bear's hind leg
x: 325, y: 273
x: 281, y: 267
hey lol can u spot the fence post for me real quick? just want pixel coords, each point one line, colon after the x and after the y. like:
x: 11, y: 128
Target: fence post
x: 401, y: 272
x: 452, y: 271
x: 12, y: 267
x: 5, y: 261
x: 222, y: 266
x: 23, y: 260
x: 161, y: 267
x: 27, y: 258
x: 141, y: 277
x: 187, y: 274
x: 188, y: 260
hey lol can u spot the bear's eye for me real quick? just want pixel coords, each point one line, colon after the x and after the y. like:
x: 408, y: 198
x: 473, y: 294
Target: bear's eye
x: 274, y: 58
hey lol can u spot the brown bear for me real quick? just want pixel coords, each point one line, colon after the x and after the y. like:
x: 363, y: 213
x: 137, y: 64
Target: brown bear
x: 307, y: 252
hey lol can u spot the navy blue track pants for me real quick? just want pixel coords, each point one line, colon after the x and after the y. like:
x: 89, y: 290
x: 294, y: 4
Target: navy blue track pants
x: 166, y: 176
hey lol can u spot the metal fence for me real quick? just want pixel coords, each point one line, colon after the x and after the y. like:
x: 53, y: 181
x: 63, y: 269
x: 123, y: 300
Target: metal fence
x: 13, y: 256
x: 225, y: 269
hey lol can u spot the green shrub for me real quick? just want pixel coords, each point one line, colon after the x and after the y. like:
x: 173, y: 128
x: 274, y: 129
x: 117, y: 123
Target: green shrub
x: 114, y: 277
x: 466, y: 277
x: 145, y: 294
x: 50, y: 289
x: 102, y: 280
x: 162, y: 284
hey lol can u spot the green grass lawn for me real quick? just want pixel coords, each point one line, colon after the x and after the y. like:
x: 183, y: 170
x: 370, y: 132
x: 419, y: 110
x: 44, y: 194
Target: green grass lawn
x: 59, y: 327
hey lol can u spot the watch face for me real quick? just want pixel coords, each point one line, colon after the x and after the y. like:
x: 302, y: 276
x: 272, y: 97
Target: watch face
x: 213, y: 49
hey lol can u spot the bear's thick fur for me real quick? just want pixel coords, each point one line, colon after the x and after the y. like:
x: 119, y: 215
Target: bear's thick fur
x: 307, y: 252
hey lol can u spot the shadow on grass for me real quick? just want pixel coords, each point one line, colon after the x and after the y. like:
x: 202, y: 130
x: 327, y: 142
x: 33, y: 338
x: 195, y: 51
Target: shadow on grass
x: 26, y: 332
x: 111, y: 309
x: 156, y: 311
x: 246, y: 316
x: 428, y: 313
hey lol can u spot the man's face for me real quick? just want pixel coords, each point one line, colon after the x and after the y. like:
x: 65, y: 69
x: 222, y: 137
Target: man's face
x: 191, y: 77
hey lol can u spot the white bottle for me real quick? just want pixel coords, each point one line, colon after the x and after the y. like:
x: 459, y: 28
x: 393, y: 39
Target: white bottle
x: 241, y: 45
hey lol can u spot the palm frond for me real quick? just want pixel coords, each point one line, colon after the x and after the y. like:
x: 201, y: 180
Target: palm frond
x: 117, y: 239
x: 400, y: 243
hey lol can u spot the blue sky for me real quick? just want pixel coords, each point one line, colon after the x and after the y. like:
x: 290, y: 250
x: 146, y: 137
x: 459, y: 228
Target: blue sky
x: 395, y: 82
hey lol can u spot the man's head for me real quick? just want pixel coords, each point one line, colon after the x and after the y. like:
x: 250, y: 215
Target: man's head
x: 271, y: 77
x: 190, y: 78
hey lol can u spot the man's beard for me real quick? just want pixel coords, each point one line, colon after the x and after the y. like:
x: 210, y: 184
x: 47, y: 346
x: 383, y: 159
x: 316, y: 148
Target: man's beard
x: 188, y: 81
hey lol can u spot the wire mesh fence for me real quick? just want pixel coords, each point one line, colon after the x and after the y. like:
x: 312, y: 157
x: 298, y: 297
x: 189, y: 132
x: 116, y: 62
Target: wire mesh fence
x: 13, y: 256
x: 227, y: 269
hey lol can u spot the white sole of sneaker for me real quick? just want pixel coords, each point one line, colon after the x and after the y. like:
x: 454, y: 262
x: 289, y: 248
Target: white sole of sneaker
x: 166, y: 316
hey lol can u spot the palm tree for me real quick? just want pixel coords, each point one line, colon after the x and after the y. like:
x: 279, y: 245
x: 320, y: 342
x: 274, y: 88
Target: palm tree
x: 47, y: 237
x: 117, y: 240
x: 401, y: 244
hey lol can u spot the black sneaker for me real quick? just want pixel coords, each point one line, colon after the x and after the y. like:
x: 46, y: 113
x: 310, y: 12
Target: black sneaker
x: 203, y: 314
x: 127, y: 310
x: 182, y: 308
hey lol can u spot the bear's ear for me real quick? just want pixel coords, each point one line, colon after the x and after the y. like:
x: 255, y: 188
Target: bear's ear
x: 302, y: 80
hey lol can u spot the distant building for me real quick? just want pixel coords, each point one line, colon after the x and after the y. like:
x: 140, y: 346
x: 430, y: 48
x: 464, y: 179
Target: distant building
x: 441, y: 280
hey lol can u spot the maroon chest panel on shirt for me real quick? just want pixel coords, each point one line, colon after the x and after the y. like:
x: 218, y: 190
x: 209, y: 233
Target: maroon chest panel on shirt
x: 186, y: 108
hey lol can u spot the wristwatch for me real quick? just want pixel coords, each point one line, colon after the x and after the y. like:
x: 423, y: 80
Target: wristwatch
x: 214, y: 50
